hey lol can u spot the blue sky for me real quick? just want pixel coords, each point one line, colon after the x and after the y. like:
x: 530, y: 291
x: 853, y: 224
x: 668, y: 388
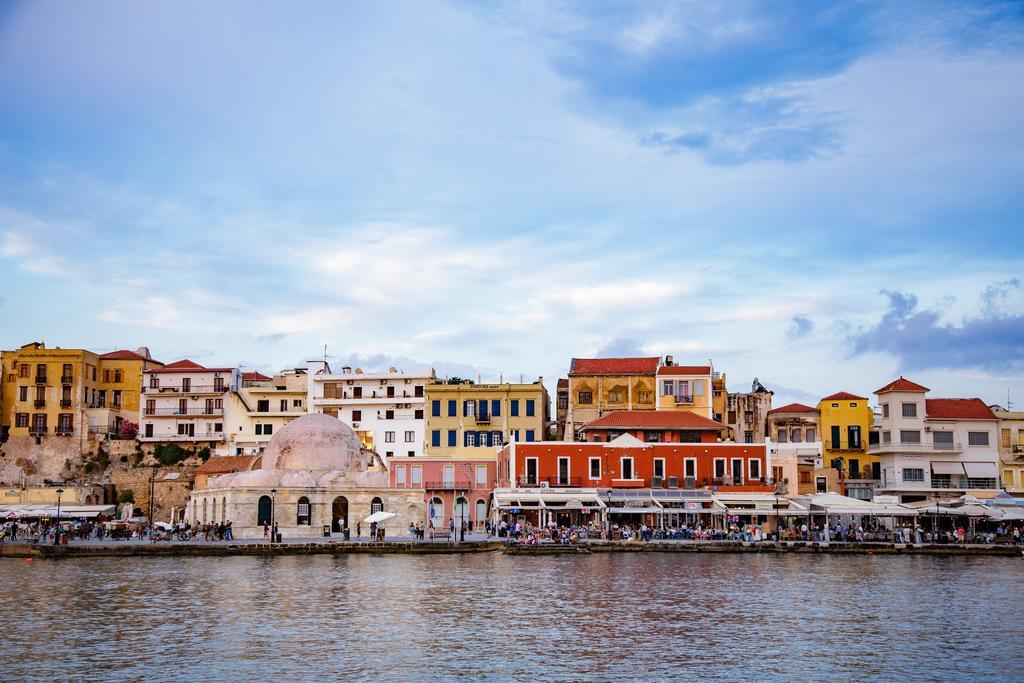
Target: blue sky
x: 819, y: 195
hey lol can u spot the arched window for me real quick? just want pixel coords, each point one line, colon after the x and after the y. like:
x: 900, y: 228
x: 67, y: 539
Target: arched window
x: 204, y: 511
x: 436, y: 512
x: 481, y: 511
x: 263, y: 510
x: 376, y: 505
x: 302, y: 512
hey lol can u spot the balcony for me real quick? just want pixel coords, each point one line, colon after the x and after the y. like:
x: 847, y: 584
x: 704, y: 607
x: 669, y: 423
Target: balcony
x: 40, y: 403
x: 551, y: 482
x: 844, y: 445
x: 36, y: 430
x: 40, y: 379
x: 683, y: 400
x: 205, y: 436
x: 65, y: 403
x: 175, y: 412
x: 64, y: 431
x: 192, y: 389
x: 483, y: 419
x: 67, y: 379
x: 460, y: 485
x: 951, y: 447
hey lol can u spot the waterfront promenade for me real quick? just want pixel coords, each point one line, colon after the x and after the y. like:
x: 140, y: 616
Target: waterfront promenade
x: 477, y: 543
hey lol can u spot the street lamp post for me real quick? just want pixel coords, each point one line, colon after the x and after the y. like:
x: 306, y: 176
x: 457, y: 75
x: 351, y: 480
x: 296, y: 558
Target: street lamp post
x: 56, y: 532
x: 935, y: 525
x: 273, y: 506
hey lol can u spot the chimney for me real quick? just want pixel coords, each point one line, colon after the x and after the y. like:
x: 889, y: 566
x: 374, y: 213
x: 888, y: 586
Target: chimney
x: 143, y: 351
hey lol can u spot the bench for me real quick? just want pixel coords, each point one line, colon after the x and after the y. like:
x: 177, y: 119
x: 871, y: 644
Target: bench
x: 446, y: 535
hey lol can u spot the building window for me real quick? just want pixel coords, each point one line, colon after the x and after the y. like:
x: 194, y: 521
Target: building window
x: 376, y: 505
x: 835, y: 405
x: 389, y: 415
x: 469, y: 408
x: 563, y: 402
x: 913, y: 473
x: 453, y: 408
x: 659, y: 468
x: 719, y: 468
x: 22, y: 393
x: 481, y: 475
x: 357, y: 415
x: 531, y: 407
x: 652, y: 437
x: 418, y: 391
x: 617, y: 395
x: 471, y: 439
x: 755, y: 468
x: 690, y: 468
x: 302, y: 512
x: 794, y: 436
x: 529, y: 436
x: 645, y: 397
x: 886, y: 437
x: 627, y: 468
x: 909, y: 410
x: 595, y: 468
x: 435, y: 409
x: 748, y: 437
x: 259, y: 430
x: 782, y: 435
x: 910, y: 436
x: 417, y: 475
x: 563, y: 471
x: 400, y: 475
x: 748, y: 416
x: 667, y: 388
x: 435, y: 438
x: 811, y: 434
x: 410, y: 436
x: 418, y: 414
x: 977, y: 438
x: 21, y: 420
x: 513, y: 408
x: 885, y: 410
x: 453, y: 436
x: 586, y: 397
x: 389, y: 437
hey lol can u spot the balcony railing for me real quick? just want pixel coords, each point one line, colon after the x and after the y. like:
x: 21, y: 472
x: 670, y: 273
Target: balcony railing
x: 40, y: 379
x: 37, y: 429
x: 64, y: 431
x: 844, y: 445
x: 67, y: 379
x: 460, y: 485
x: 163, y: 412
x: 684, y: 399
x: 949, y: 447
x: 204, y: 436
x: 65, y: 403
x: 193, y: 389
x: 553, y: 482
x: 40, y: 403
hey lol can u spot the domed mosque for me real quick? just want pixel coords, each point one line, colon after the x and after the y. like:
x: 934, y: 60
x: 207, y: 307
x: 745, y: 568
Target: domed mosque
x: 314, y: 475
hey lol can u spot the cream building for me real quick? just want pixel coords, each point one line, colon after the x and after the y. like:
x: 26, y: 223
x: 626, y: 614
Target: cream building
x: 386, y: 410
x: 1011, y: 449
x: 184, y: 402
x: 313, y: 474
x: 260, y: 408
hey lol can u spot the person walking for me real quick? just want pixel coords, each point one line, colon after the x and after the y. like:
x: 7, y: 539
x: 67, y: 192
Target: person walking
x: 266, y: 530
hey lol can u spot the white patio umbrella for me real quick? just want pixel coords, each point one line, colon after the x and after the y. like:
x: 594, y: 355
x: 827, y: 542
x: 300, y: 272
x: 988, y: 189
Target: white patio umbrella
x: 378, y: 517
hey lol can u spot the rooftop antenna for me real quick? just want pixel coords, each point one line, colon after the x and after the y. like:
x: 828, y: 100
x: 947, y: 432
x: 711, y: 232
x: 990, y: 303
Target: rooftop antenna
x: 1009, y: 403
x: 325, y: 353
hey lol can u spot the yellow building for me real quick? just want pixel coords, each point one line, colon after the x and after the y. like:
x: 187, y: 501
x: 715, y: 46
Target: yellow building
x: 602, y: 385
x: 1011, y: 450
x: 469, y: 419
x: 846, y: 421
x: 69, y: 392
x: 686, y: 387
x: 720, y: 397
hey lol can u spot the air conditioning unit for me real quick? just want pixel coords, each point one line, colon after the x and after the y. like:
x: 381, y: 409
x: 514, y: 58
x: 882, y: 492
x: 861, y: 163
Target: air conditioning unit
x: 348, y: 382
x: 673, y: 482
x: 544, y: 485
x: 656, y: 482
x: 690, y: 482
x: 355, y: 425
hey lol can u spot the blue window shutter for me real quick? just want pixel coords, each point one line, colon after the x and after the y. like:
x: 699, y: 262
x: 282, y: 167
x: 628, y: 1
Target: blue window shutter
x: 514, y: 408
x: 496, y: 407
x: 529, y: 435
x: 482, y: 409
x: 453, y: 409
x: 465, y: 409
x: 435, y: 409
x: 452, y: 438
x: 530, y: 407
x: 435, y: 438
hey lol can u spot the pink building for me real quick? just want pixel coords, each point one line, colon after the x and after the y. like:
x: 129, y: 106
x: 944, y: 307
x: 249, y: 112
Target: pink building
x: 456, y: 489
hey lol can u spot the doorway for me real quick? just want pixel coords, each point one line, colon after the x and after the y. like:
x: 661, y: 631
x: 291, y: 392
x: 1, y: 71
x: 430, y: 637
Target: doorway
x: 339, y: 514
x: 263, y: 508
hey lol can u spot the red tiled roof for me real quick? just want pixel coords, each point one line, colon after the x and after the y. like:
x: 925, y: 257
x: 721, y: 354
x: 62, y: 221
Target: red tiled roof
x: 124, y: 354
x: 614, y: 366
x: 653, y: 419
x: 958, y: 408
x: 901, y: 384
x: 563, y: 383
x: 844, y: 396
x: 684, y: 370
x: 254, y: 375
x: 225, y: 464
x: 186, y: 365
x: 793, y: 408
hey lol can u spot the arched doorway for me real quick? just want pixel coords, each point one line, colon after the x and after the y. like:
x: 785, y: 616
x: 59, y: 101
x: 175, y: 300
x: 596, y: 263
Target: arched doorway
x: 436, y: 513
x: 339, y: 514
x: 461, y: 512
x: 302, y: 512
x: 263, y: 508
x: 481, y: 512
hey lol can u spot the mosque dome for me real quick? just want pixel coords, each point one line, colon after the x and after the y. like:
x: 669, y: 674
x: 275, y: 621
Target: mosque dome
x: 315, y: 443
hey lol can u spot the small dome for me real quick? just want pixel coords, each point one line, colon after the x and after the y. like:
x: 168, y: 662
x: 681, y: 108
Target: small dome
x: 315, y: 443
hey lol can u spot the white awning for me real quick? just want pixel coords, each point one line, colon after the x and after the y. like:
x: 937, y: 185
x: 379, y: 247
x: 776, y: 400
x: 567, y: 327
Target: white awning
x: 981, y: 470
x: 945, y: 467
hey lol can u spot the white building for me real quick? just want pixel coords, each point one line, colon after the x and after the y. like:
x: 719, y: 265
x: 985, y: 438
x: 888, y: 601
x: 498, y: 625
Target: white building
x: 386, y: 410
x: 184, y: 402
x: 933, y: 448
x: 260, y: 408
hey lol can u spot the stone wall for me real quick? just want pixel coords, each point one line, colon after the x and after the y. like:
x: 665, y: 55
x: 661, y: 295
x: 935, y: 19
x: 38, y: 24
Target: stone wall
x: 169, y: 495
